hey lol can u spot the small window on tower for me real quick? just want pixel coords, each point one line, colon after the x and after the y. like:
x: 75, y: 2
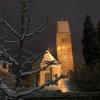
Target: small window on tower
x: 63, y: 40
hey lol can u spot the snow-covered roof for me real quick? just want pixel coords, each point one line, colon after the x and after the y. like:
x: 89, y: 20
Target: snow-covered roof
x: 47, y: 57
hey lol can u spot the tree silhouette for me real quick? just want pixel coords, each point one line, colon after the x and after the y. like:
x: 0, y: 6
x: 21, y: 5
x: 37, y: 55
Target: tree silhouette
x: 89, y: 42
x: 23, y: 35
x: 86, y: 77
x: 98, y: 31
x: 98, y: 35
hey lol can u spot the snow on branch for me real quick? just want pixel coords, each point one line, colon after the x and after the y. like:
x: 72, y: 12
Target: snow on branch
x: 19, y: 94
x: 34, y: 57
x: 25, y: 57
x: 2, y: 61
x: 10, y: 27
x: 39, y: 28
x: 37, y: 70
x: 11, y: 41
x: 29, y: 20
x: 7, y: 91
x: 4, y: 54
x: 52, y: 82
x: 29, y: 52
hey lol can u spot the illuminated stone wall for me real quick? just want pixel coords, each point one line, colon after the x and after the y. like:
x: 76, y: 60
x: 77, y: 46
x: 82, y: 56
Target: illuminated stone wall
x: 64, y: 46
x: 52, y: 72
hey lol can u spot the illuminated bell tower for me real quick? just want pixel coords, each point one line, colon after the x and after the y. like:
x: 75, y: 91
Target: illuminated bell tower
x: 64, y: 46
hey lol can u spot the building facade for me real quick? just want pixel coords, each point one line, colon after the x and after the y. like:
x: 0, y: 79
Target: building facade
x: 64, y: 46
x: 64, y: 56
x: 52, y: 72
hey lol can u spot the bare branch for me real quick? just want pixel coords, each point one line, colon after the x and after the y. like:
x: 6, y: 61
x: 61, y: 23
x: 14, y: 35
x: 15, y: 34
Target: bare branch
x: 2, y: 61
x: 24, y: 13
x: 11, y: 41
x: 17, y: 94
x: 34, y: 58
x: 29, y: 52
x: 25, y: 57
x: 33, y: 37
x: 29, y: 19
x: 24, y: 35
x: 4, y: 53
x: 10, y: 27
x: 39, y: 28
x: 7, y: 91
x: 52, y: 82
x: 38, y: 69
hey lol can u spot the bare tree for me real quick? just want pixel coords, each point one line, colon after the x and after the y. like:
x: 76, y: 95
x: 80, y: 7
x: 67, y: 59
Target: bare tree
x: 23, y: 35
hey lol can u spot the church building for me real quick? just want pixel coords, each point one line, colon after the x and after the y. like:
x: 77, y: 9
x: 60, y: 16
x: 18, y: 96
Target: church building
x: 64, y: 46
x: 64, y: 57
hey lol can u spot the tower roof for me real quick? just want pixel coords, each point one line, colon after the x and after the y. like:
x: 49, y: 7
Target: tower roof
x: 62, y: 26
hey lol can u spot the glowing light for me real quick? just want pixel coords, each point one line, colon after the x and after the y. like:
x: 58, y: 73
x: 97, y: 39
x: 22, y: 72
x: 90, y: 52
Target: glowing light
x: 62, y: 86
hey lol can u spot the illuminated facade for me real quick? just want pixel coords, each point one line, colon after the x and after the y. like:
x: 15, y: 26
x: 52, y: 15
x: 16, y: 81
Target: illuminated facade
x: 64, y: 56
x: 64, y: 46
x: 52, y: 72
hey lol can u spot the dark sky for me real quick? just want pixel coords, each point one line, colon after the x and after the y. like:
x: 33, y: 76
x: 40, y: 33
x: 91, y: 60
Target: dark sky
x: 72, y: 10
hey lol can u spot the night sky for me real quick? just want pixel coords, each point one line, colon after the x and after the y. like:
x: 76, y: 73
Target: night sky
x: 72, y: 10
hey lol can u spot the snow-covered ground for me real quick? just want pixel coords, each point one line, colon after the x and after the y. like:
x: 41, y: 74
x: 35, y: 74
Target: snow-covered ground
x: 63, y: 85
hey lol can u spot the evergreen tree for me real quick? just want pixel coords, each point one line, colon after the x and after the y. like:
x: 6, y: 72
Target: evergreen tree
x: 87, y: 78
x: 98, y: 31
x: 98, y: 35
x: 89, y: 42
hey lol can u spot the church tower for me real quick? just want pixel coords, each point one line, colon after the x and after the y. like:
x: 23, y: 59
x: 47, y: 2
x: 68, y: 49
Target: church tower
x: 64, y: 46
